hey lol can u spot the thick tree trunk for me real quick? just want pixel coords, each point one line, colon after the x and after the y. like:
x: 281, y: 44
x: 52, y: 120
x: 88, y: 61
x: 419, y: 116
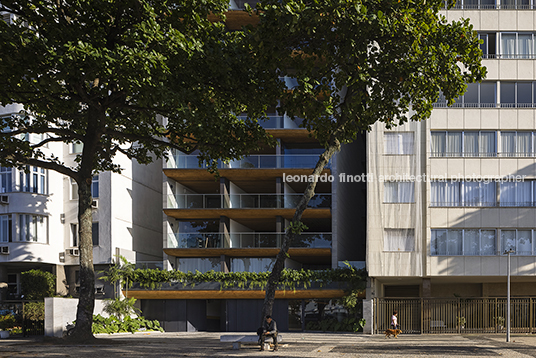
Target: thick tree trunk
x: 86, y: 302
x: 279, y: 264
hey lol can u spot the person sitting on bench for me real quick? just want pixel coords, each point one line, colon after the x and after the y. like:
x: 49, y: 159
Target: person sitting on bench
x: 269, y: 329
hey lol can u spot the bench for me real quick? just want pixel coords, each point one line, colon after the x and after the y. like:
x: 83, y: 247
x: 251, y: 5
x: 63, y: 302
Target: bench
x: 239, y: 339
x: 437, y: 324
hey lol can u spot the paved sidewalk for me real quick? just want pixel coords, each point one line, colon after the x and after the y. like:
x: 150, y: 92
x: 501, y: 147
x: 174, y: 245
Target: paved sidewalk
x: 325, y: 345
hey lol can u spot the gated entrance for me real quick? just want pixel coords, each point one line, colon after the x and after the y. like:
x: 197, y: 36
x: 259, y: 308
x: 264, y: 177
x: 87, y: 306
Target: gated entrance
x: 455, y: 315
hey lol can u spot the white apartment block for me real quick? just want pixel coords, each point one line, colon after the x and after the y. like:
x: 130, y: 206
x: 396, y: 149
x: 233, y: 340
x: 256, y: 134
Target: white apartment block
x: 38, y: 220
x: 460, y: 188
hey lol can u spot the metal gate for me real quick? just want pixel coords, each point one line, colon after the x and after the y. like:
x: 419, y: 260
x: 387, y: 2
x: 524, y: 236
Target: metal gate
x: 455, y: 315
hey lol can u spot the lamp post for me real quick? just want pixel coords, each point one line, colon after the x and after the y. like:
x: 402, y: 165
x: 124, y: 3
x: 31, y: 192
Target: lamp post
x: 508, y: 252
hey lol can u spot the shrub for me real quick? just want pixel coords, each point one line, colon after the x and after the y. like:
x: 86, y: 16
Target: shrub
x: 113, y: 324
x: 36, y: 284
x: 121, y: 308
x: 34, y: 311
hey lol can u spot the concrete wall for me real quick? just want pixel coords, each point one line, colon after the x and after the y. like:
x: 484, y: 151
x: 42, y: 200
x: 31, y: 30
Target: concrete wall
x: 62, y: 311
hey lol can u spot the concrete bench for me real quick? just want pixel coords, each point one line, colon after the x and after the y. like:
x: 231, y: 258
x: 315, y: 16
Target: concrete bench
x: 4, y: 334
x: 437, y: 324
x: 241, y: 339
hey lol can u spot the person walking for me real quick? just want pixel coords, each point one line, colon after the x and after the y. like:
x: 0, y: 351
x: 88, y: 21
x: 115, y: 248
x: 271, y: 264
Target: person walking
x: 394, y: 320
x: 269, y: 329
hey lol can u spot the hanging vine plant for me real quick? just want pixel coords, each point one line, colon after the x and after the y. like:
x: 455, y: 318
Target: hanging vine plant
x: 290, y: 279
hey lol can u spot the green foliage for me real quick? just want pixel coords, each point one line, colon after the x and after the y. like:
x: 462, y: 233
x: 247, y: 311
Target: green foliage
x: 290, y: 279
x: 360, y: 62
x: 7, y: 321
x: 34, y: 311
x: 113, y: 324
x: 121, y: 308
x: 37, y: 284
x: 296, y: 227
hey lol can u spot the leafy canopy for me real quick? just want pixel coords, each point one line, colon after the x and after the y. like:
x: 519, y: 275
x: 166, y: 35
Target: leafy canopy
x: 104, y: 74
x: 357, y: 62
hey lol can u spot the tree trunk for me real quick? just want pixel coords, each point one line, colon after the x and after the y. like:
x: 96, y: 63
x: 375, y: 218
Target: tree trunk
x: 279, y: 265
x: 86, y: 301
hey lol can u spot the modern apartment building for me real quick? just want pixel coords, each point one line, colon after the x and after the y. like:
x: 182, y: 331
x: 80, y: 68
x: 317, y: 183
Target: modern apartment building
x: 453, y: 193
x: 39, y: 225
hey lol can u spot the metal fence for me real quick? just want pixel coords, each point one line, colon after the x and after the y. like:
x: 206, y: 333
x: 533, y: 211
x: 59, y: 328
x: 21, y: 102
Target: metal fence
x: 455, y: 315
x: 16, y: 308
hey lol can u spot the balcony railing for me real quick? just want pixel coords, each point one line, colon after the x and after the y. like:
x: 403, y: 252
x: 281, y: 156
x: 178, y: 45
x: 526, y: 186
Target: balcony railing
x: 482, y: 154
x: 245, y: 201
x: 246, y: 240
x: 279, y: 122
x: 267, y: 161
x: 484, y: 105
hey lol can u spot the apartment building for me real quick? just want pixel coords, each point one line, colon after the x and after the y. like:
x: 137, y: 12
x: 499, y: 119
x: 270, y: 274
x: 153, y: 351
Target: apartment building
x: 453, y: 193
x: 39, y: 224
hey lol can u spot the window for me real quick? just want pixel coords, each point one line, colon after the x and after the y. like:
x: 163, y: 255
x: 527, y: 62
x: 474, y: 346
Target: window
x: 33, y: 180
x: 466, y: 144
x: 398, y: 143
x: 5, y: 228
x: 517, y: 94
x: 398, y: 192
x: 399, y: 240
x: 94, y: 188
x: 13, y: 285
x: 463, y: 193
x: 477, y: 95
x: 74, y: 235
x: 517, y: 193
x: 251, y: 264
x: 95, y: 233
x: 5, y: 180
x: 199, y: 264
x: 488, y: 45
x: 520, y: 241
x: 517, y: 45
x: 516, y: 144
x: 469, y: 242
x: 32, y: 228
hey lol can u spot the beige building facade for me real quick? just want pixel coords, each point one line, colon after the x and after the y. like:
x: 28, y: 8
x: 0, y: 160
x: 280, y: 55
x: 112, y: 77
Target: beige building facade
x: 451, y: 194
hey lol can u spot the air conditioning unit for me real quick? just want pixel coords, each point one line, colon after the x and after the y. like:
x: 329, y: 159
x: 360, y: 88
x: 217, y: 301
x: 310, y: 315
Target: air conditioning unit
x: 4, y: 250
x: 73, y: 252
x: 95, y: 204
x: 4, y: 199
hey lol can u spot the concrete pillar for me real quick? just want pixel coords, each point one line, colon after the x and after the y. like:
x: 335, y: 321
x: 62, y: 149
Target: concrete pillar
x: 426, y: 288
x: 368, y: 315
x: 225, y: 236
x: 61, y: 280
x: 3, y: 282
x: 224, y: 191
x: 225, y: 262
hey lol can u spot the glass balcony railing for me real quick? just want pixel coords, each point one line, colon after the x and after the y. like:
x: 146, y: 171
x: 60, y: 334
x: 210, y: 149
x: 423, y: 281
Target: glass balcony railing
x: 267, y: 161
x: 205, y: 240
x: 279, y: 122
x: 245, y: 201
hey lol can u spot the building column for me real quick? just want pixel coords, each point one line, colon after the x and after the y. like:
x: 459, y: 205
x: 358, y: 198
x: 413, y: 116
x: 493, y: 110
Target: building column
x: 368, y: 315
x: 225, y: 236
x: 225, y: 262
x: 61, y: 280
x: 224, y: 191
x: 3, y: 283
x: 426, y: 288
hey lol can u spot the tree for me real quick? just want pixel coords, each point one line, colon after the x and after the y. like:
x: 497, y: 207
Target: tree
x: 358, y: 62
x: 130, y: 77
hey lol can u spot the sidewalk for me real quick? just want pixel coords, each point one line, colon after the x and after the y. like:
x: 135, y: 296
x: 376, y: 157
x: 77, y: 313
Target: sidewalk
x: 325, y: 345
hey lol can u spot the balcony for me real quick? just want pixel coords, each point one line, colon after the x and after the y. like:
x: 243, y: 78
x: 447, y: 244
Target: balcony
x: 279, y: 122
x: 266, y: 161
x: 211, y: 240
x: 245, y: 201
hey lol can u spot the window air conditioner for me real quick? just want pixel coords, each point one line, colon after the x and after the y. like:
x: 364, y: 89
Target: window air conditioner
x: 95, y: 204
x: 4, y: 199
x: 4, y: 250
x: 73, y: 252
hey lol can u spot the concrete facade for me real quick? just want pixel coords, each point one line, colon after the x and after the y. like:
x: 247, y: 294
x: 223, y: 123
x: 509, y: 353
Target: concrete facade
x: 473, y: 268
